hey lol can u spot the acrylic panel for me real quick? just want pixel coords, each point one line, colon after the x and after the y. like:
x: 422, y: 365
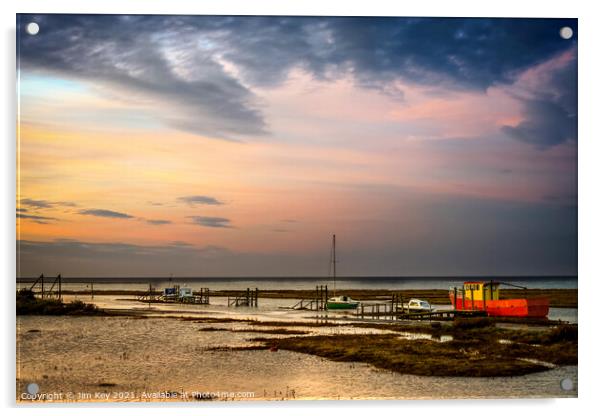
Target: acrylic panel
x: 252, y: 208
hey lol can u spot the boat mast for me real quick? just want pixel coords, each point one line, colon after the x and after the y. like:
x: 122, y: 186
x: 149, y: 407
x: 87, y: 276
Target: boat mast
x: 334, y: 262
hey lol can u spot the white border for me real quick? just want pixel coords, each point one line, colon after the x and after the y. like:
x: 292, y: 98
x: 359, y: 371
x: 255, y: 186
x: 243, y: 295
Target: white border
x: 590, y: 209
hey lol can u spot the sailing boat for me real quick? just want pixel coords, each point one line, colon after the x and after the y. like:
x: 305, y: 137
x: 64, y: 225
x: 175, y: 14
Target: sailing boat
x: 342, y: 301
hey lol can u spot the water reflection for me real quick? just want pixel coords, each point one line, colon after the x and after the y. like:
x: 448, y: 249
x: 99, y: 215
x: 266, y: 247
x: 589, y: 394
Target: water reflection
x: 92, y: 354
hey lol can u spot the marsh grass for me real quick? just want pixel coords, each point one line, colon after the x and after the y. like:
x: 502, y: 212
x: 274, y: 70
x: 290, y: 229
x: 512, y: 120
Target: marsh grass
x: 273, y: 331
x: 28, y: 304
x: 416, y: 357
x: 474, y: 351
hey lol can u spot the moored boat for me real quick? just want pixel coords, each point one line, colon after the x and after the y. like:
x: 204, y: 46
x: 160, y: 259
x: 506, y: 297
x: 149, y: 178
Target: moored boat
x: 342, y: 302
x: 484, y: 296
x: 417, y: 305
x: 338, y: 302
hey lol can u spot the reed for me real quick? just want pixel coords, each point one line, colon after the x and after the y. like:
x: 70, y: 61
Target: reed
x: 474, y: 351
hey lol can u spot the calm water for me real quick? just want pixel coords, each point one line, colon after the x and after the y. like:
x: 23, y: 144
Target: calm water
x: 127, y: 357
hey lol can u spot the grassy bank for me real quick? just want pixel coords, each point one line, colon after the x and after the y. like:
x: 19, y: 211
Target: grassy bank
x: 273, y: 331
x: 28, y: 304
x: 478, y: 349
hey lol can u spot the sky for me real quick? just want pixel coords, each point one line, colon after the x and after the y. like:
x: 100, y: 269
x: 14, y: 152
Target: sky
x: 236, y: 146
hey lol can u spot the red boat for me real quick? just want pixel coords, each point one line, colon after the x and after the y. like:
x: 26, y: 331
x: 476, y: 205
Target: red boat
x: 485, y: 296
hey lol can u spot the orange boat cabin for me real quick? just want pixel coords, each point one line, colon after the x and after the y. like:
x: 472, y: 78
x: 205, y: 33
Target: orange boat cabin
x: 482, y: 295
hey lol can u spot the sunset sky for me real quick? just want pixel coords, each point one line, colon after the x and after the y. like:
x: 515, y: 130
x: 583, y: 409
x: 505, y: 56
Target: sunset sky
x: 236, y: 146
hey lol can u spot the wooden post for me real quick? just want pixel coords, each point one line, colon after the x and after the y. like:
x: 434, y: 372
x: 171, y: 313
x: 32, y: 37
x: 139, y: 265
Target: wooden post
x: 318, y: 297
x: 92, y: 289
x: 256, y: 296
x: 42, y: 286
x: 60, y: 289
x: 150, y: 291
x: 455, y: 298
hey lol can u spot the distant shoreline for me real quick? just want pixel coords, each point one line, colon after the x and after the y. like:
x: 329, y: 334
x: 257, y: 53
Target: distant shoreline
x: 296, y: 278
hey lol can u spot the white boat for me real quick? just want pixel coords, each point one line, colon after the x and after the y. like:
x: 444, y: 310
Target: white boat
x: 417, y: 305
x: 342, y: 302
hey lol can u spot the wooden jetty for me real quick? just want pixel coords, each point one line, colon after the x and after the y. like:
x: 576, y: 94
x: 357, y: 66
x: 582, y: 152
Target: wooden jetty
x: 55, y: 291
x: 318, y: 303
x: 247, y: 298
x: 396, y: 310
x: 176, y: 295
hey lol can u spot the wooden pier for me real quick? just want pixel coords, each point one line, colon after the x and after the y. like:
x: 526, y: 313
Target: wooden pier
x: 385, y: 312
x: 247, y: 298
x: 318, y: 303
x: 40, y: 289
x: 200, y: 297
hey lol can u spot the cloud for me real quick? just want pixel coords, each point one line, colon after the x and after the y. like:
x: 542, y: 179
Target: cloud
x: 203, y: 70
x: 36, y: 203
x: 214, y: 222
x: 36, y: 218
x: 44, y: 204
x: 549, y: 104
x: 181, y: 244
x: 545, y: 124
x: 158, y: 222
x: 67, y: 204
x: 75, y: 248
x: 105, y: 213
x: 149, y: 60
x: 199, y: 199
x: 566, y: 199
x: 86, y: 258
x: 519, y: 234
x: 465, y: 53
